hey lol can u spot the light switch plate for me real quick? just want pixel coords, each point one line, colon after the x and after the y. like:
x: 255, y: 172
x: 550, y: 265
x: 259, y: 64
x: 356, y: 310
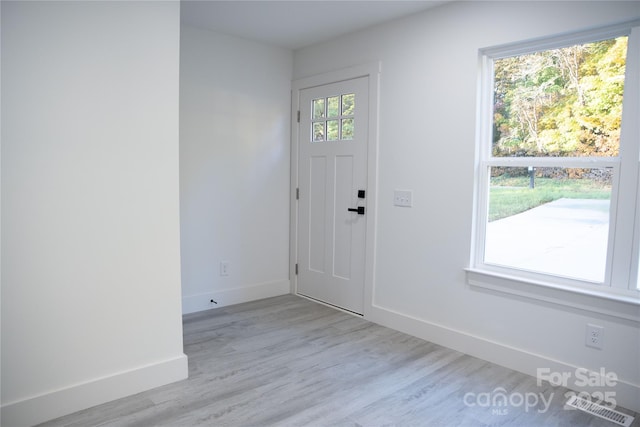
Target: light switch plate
x: 403, y: 198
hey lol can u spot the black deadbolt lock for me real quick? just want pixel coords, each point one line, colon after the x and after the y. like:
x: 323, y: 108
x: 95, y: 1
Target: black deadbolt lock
x: 360, y: 194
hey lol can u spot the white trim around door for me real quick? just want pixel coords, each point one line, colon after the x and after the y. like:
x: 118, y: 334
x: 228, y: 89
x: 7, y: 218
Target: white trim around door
x: 372, y: 71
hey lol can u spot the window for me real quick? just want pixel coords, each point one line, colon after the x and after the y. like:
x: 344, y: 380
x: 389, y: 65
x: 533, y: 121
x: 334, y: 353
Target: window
x: 333, y: 118
x: 558, y: 161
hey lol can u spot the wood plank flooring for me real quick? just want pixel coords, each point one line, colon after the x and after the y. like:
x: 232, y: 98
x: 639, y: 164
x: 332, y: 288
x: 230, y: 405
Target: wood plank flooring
x: 287, y: 361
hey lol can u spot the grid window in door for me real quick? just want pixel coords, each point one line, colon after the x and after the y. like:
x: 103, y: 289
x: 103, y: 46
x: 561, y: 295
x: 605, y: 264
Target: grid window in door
x: 332, y: 118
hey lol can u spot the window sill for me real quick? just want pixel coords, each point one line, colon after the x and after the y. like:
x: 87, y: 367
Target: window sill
x: 620, y: 306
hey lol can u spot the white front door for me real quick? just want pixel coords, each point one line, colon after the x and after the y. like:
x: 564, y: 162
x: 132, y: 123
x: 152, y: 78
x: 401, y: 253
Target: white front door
x: 332, y: 207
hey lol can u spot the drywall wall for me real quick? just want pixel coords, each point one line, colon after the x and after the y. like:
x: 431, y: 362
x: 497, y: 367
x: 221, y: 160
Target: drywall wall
x: 427, y: 134
x: 90, y: 204
x: 234, y: 169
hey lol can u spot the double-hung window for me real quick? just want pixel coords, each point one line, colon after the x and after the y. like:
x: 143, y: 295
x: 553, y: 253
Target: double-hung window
x: 557, y: 167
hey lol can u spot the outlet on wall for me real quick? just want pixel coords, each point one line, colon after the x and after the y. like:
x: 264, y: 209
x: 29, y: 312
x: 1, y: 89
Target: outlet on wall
x: 224, y: 268
x: 594, y: 336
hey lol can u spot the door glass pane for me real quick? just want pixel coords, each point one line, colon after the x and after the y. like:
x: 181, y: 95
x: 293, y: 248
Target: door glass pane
x: 332, y: 130
x: 318, y: 108
x: 549, y: 220
x: 347, y: 128
x: 561, y: 102
x: 318, y: 132
x: 348, y: 104
x: 333, y: 106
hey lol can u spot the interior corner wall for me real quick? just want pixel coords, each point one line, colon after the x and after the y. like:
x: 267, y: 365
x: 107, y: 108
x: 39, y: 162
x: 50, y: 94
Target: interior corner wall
x: 235, y: 114
x: 427, y: 134
x: 90, y: 204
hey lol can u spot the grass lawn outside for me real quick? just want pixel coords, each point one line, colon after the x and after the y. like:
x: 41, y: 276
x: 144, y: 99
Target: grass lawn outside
x: 511, y: 195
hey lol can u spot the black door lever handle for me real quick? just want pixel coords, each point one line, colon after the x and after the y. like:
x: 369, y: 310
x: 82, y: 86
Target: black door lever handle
x: 359, y: 209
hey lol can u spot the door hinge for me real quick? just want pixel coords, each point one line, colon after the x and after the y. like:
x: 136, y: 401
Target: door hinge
x: 296, y: 269
x: 297, y: 194
x: 298, y: 116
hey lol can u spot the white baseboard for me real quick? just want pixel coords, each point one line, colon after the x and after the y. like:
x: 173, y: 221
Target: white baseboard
x: 48, y: 406
x: 224, y: 297
x: 626, y: 394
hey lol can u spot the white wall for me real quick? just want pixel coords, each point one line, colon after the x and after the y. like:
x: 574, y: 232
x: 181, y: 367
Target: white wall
x: 427, y: 143
x: 90, y: 204
x: 234, y: 169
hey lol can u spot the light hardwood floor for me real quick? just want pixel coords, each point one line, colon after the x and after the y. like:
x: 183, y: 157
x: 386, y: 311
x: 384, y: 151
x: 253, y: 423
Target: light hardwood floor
x: 286, y: 361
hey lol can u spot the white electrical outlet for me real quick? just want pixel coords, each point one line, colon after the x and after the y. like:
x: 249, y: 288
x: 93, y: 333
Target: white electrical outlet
x: 224, y: 268
x: 403, y: 198
x: 594, y: 336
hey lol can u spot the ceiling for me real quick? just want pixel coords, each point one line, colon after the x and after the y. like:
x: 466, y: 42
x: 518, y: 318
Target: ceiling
x: 294, y: 24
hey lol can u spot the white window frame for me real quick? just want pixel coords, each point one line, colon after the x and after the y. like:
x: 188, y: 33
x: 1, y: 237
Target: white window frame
x: 621, y: 276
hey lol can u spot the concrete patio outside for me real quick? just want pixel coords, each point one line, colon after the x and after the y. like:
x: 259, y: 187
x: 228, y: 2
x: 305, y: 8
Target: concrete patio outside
x: 566, y: 237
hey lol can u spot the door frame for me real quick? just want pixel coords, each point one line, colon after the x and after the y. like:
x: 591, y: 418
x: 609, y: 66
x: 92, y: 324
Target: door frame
x: 372, y: 71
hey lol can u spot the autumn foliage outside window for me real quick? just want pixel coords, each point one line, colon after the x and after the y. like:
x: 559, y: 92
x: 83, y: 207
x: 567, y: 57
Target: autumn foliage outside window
x: 560, y: 102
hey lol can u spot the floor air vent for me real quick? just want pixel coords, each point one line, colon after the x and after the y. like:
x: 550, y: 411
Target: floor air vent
x: 600, y: 411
